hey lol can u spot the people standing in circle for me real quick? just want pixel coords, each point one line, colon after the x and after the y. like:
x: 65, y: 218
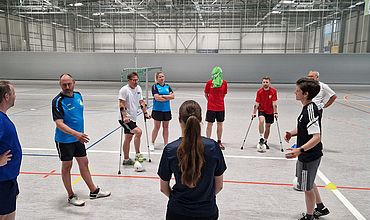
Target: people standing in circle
x: 215, y: 92
x: 266, y: 98
x: 161, y: 113
x: 10, y: 154
x: 198, y: 166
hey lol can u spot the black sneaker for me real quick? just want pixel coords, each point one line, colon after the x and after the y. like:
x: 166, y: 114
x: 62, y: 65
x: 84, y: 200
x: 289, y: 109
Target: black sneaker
x: 320, y: 212
x: 265, y: 143
x: 261, y: 141
x: 305, y: 217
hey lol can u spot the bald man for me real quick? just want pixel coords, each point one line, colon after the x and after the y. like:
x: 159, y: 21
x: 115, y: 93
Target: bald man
x: 70, y: 139
x: 326, y: 93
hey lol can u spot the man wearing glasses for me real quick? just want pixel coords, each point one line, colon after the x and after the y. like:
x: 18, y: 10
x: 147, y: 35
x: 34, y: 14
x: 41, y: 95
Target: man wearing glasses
x: 130, y: 98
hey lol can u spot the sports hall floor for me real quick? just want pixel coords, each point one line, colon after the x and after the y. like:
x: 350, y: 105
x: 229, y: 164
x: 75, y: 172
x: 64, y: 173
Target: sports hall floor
x: 257, y: 185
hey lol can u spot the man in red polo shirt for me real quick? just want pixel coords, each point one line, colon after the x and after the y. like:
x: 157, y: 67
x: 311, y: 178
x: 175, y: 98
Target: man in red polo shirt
x: 215, y: 91
x: 266, y: 98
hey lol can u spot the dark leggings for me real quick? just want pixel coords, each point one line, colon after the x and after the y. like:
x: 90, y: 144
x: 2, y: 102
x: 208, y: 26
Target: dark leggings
x: 173, y: 216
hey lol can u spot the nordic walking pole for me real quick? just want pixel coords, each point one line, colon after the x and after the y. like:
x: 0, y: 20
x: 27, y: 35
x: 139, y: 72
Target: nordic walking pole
x: 281, y: 143
x: 250, y: 123
x: 146, y: 129
x: 120, y: 153
x: 147, y: 138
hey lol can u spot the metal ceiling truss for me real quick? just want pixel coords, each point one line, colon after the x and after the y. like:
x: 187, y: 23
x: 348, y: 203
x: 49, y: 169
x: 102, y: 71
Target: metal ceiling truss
x: 85, y: 14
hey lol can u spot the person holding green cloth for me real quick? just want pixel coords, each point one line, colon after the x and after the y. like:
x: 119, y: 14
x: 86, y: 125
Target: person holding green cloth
x: 215, y: 91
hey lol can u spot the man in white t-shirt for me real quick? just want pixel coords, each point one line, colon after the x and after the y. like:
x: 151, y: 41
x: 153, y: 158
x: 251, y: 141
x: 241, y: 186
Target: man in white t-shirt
x: 326, y: 93
x: 130, y: 99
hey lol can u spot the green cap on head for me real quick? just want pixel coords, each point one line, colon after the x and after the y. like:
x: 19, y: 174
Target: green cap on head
x: 217, y: 77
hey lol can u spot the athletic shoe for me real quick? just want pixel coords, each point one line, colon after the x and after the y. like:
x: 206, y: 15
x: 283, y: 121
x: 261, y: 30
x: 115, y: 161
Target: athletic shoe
x: 222, y: 147
x: 128, y: 162
x: 265, y: 143
x: 76, y: 201
x: 139, y: 157
x: 99, y: 194
x: 261, y: 141
x: 151, y: 147
x: 320, y: 212
x: 304, y: 217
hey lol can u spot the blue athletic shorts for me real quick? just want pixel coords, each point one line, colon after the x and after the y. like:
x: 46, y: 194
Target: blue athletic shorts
x: 8, y: 196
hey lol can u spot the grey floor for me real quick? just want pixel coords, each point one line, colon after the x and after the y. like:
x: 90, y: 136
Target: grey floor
x: 257, y: 186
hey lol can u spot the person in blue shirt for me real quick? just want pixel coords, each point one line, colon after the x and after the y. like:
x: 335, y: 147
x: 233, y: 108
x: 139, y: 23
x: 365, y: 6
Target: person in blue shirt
x: 198, y: 166
x: 10, y: 154
x: 161, y: 113
x: 70, y: 139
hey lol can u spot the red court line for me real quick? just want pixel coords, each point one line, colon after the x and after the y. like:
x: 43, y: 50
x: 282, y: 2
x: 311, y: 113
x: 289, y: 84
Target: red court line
x: 47, y: 175
x: 225, y: 181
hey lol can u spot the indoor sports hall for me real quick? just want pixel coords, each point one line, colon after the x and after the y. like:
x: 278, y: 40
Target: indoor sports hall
x: 99, y: 43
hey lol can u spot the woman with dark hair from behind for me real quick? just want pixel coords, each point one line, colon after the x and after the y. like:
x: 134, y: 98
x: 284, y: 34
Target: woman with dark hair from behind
x: 198, y: 166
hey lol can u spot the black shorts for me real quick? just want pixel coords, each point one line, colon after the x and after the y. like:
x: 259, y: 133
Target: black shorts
x: 127, y: 127
x: 212, y: 115
x: 161, y: 116
x: 8, y: 196
x: 269, y: 118
x: 67, y: 151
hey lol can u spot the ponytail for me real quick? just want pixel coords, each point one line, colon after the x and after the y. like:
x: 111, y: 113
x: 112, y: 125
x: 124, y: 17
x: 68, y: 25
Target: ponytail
x: 191, y: 150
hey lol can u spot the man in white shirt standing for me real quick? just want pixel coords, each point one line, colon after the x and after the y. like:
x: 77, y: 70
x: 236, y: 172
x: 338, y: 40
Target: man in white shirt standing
x: 130, y: 98
x: 326, y: 93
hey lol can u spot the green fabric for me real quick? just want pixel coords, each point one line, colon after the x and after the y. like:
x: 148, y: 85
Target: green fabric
x: 217, y: 77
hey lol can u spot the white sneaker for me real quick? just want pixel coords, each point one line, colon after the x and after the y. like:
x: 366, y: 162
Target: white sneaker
x: 151, y: 147
x: 76, y: 201
x: 100, y: 194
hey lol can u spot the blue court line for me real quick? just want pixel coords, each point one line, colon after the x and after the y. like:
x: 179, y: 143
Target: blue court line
x: 92, y: 145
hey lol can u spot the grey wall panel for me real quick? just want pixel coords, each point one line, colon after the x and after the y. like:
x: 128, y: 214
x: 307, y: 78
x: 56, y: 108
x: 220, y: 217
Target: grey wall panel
x: 334, y: 68
x: 84, y: 66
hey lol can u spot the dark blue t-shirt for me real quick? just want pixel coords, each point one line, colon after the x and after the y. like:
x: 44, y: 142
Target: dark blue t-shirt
x: 161, y: 90
x: 70, y: 109
x: 9, y: 141
x: 199, y: 201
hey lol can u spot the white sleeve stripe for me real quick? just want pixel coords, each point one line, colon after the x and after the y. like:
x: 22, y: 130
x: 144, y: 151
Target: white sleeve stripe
x: 314, y: 128
x: 311, y: 114
x: 311, y: 123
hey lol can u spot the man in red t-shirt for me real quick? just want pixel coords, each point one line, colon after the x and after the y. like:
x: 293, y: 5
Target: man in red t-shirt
x: 215, y: 91
x: 266, y: 98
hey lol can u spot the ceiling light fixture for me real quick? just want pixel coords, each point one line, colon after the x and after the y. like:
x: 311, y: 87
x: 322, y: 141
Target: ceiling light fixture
x: 98, y: 14
x: 76, y: 4
x: 276, y: 12
x: 286, y: 2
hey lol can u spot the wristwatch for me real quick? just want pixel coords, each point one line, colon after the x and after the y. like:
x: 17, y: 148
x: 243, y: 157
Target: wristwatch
x: 301, y: 149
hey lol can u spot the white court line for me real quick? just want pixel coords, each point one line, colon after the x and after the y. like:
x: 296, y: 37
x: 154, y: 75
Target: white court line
x: 336, y: 192
x: 160, y: 153
x: 178, y: 95
x: 341, y: 197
